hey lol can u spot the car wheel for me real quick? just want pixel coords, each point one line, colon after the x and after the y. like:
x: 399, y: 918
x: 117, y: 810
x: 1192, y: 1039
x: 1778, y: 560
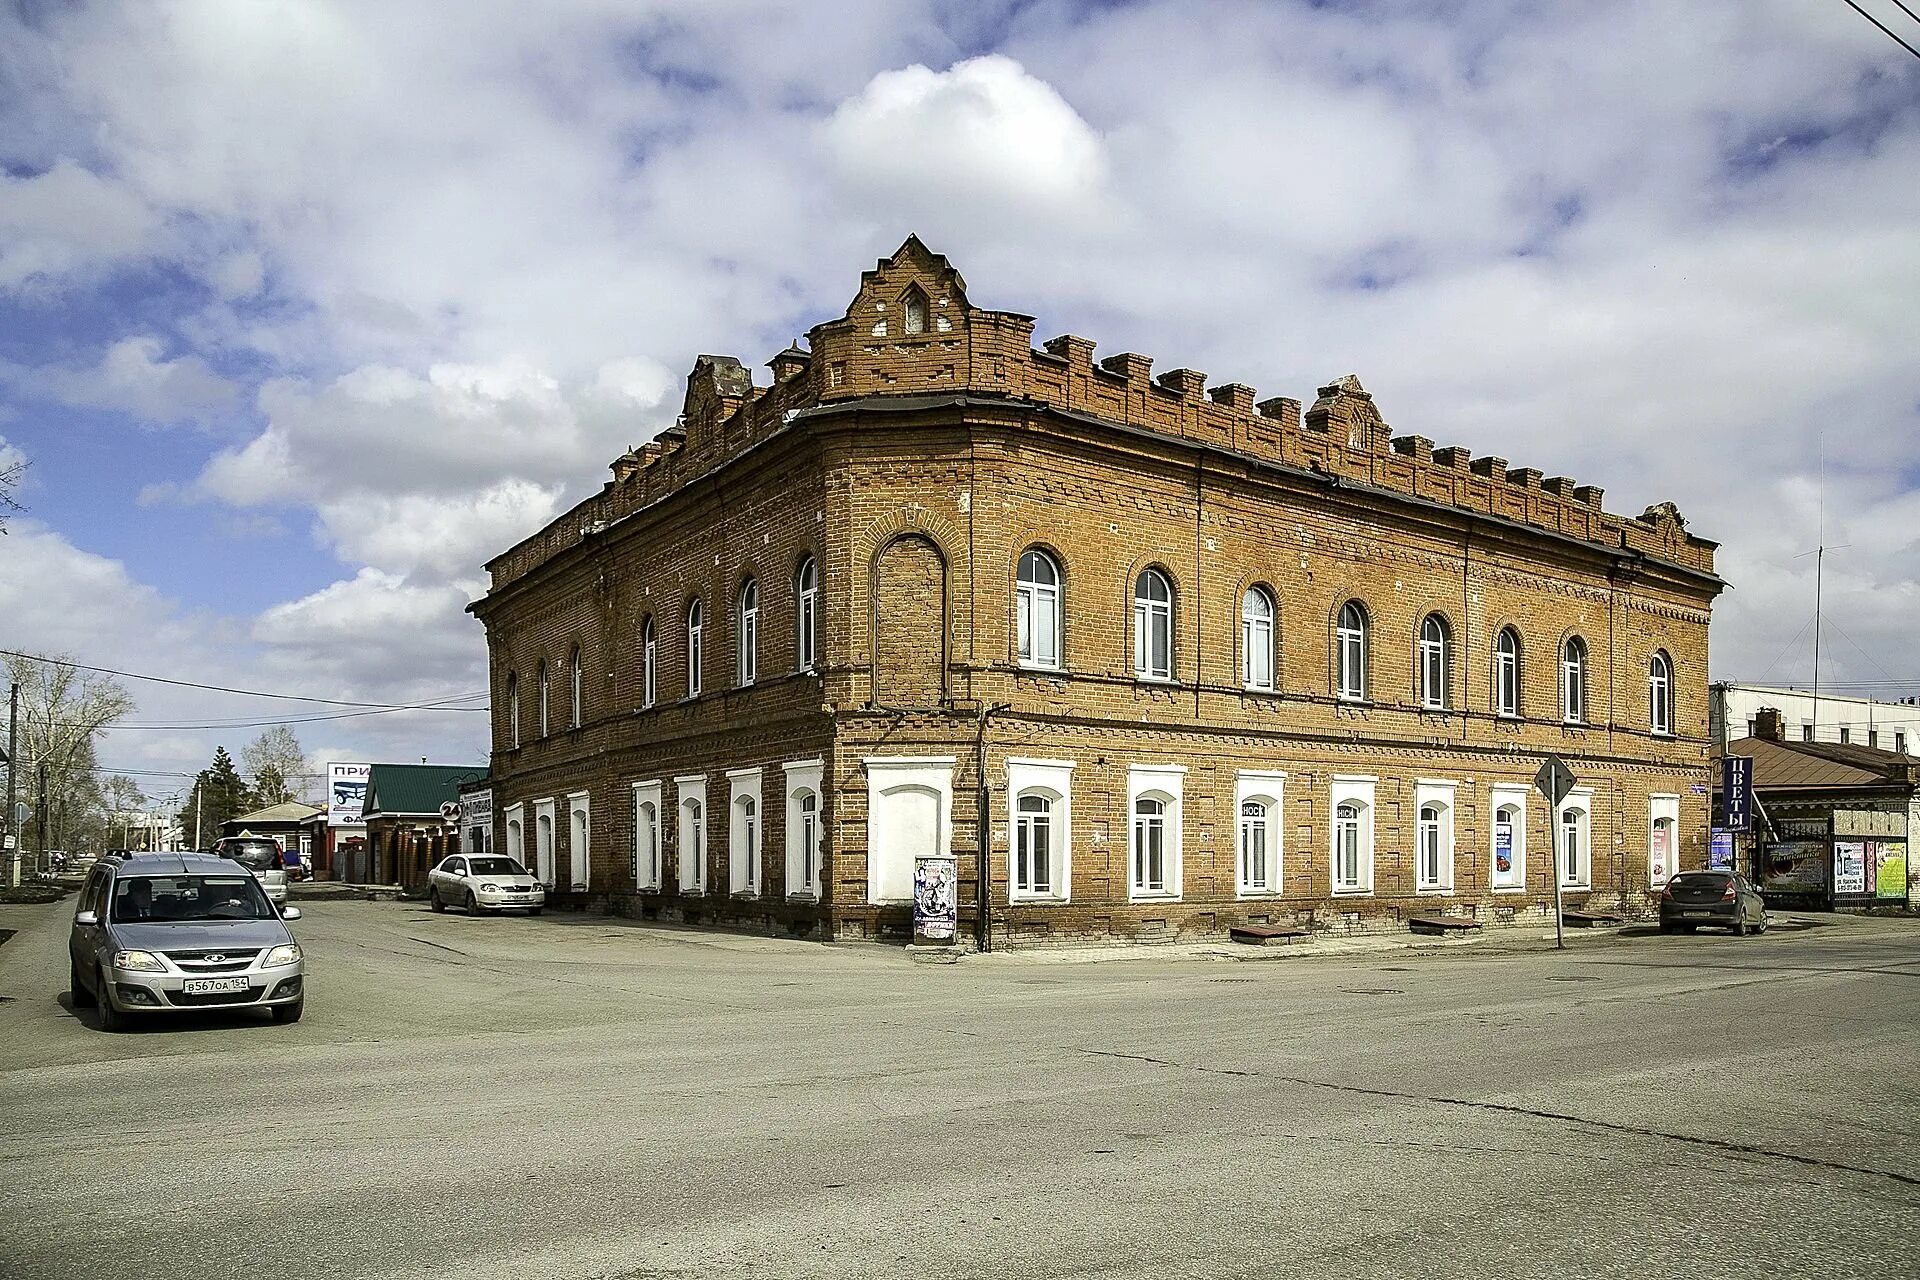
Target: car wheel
x: 473, y: 908
x: 284, y: 1013
x: 433, y: 901
x: 111, y: 1019
x: 1763, y: 922
x: 1739, y: 927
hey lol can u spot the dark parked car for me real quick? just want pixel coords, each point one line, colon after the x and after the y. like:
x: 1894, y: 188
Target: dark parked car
x: 1724, y: 899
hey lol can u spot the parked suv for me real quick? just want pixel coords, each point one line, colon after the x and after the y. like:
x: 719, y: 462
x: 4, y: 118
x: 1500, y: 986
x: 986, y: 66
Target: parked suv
x: 260, y: 856
x: 158, y: 933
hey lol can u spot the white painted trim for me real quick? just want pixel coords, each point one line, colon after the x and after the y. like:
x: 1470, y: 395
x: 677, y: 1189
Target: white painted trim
x: 1248, y: 783
x: 647, y: 862
x: 1505, y: 793
x: 580, y: 852
x: 544, y: 857
x: 1055, y: 777
x: 1360, y: 789
x: 1580, y: 799
x: 804, y: 775
x: 515, y: 815
x: 691, y: 873
x: 1436, y: 791
x: 890, y: 879
x: 1663, y: 804
x: 746, y: 867
x: 1168, y: 780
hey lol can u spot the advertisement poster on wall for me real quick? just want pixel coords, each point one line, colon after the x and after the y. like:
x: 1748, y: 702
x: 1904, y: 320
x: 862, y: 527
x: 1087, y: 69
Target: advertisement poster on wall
x: 346, y: 793
x: 1890, y: 869
x: 1720, y: 850
x: 1503, y: 851
x: 1849, y: 866
x: 1799, y: 863
x: 935, y: 900
x: 1659, y: 854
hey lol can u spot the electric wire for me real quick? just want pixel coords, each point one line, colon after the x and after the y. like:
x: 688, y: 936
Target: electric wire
x: 214, y: 688
x: 1883, y: 26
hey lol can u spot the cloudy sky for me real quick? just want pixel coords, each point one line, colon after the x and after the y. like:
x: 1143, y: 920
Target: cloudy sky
x: 306, y: 308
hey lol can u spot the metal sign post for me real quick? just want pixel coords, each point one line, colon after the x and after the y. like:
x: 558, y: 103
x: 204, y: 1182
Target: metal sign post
x: 1554, y: 781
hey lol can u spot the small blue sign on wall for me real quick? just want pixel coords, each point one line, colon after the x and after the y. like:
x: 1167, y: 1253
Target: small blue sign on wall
x: 1736, y: 792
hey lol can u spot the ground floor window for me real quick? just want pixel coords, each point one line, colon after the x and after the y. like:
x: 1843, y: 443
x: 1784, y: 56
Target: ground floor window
x: 1257, y: 798
x: 1433, y: 837
x: 692, y: 832
x: 803, y: 828
x: 1351, y: 840
x: 1040, y: 823
x: 646, y: 835
x: 1150, y: 845
x: 1663, y: 826
x: 743, y: 832
x: 1576, y: 853
x: 1509, y: 852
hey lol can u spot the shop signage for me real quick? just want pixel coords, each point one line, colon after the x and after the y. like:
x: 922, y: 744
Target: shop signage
x: 347, y: 793
x: 1736, y: 792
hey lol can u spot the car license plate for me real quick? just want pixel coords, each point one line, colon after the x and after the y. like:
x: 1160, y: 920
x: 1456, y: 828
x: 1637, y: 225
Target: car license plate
x: 213, y: 986
x: 1699, y: 915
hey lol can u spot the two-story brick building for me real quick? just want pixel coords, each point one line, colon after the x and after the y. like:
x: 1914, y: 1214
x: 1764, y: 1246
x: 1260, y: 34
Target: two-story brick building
x: 1148, y: 658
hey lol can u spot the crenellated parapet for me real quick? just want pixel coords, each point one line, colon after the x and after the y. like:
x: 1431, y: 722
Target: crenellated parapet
x: 910, y: 330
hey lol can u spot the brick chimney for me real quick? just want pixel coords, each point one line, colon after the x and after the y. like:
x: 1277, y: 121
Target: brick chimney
x: 1766, y: 724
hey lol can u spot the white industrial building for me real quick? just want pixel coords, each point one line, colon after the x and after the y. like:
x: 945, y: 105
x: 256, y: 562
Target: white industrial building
x: 1863, y: 722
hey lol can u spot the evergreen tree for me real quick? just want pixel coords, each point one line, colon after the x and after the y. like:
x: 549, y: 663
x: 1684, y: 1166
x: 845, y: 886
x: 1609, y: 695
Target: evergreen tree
x: 219, y: 793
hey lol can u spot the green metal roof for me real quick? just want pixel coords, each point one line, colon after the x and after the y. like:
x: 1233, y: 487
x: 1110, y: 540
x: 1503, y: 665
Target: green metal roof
x: 416, y: 789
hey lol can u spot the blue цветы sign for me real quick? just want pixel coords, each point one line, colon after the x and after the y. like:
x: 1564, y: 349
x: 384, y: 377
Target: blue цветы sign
x: 1736, y: 792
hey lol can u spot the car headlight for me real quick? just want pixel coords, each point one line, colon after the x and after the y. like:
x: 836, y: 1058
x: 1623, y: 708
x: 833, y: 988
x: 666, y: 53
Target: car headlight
x: 489, y: 888
x: 138, y: 962
x: 288, y: 954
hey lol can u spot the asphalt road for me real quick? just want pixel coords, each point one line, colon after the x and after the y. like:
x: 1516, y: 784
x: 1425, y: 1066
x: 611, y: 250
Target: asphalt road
x: 574, y: 1097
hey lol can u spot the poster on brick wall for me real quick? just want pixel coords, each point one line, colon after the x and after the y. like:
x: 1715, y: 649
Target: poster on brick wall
x: 1849, y: 866
x: 1889, y: 869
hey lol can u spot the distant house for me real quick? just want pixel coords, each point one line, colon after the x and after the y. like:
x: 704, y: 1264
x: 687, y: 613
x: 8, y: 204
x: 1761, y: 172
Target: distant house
x: 412, y: 813
x: 1836, y: 820
x: 285, y: 824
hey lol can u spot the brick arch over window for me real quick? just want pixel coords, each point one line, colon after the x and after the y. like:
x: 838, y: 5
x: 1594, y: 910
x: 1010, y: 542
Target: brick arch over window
x: 909, y: 623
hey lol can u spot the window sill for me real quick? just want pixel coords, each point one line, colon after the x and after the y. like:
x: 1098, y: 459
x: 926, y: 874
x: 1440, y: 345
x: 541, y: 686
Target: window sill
x: 1138, y: 678
x: 1341, y: 699
x: 1037, y: 899
x: 1252, y: 895
x: 805, y: 895
x: 1153, y: 895
x: 1356, y: 891
x: 1509, y: 888
x: 1576, y: 888
x: 1434, y: 892
x: 1040, y: 668
x: 1664, y: 734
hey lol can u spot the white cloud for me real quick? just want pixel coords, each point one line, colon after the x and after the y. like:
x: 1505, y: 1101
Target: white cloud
x: 444, y: 535
x: 380, y: 636
x: 69, y: 220
x: 132, y: 378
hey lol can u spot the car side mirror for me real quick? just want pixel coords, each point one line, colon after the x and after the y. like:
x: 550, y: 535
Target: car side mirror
x: 289, y: 913
x: 85, y: 917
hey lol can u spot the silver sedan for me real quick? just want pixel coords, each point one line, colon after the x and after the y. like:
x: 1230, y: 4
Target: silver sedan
x: 484, y: 883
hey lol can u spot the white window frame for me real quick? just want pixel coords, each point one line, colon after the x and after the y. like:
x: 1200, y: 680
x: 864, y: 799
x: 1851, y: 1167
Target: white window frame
x: 580, y: 841
x: 803, y: 779
x: 746, y: 822
x: 1165, y: 783
x: 1434, y: 661
x: 649, y: 668
x: 885, y: 776
x: 513, y: 709
x: 806, y: 636
x: 1436, y: 793
x: 1660, y: 693
x: 696, y: 622
x: 1054, y: 780
x: 1037, y: 614
x: 1257, y: 654
x: 576, y: 715
x: 1663, y: 806
x: 1579, y: 801
x: 1268, y: 786
x: 546, y: 701
x: 1506, y: 674
x: 747, y: 616
x: 1350, y: 654
x: 1357, y: 789
x: 544, y: 838
x: 693, y: 852
x: 1573, y: 680
x: 1508, y: 795
x: 516, y: 819
x: 646, y: 837
x: 1152, y: 620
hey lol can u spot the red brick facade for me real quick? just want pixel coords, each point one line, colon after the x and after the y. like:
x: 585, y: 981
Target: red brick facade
x: 912, y: 457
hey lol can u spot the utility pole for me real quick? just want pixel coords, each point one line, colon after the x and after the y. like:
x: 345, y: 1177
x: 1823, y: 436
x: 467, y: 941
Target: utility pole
x: 199, y: 794
x: 10, y: 869
x: 40, y: 821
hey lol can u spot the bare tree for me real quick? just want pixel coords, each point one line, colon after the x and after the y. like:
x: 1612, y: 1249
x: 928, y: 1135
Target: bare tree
x: 62, y: 709
x: 124, y: 801
x: 276, y: 764
x: 13, y: 470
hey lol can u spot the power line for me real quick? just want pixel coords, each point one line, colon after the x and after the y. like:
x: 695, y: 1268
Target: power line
x: 1883, y: 26
x: 214, y: 688
x: 438, y: 705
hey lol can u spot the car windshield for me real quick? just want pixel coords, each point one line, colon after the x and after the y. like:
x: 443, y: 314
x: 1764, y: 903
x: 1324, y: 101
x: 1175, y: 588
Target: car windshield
x: 254, y: 855
x: 185, y: 899
x: 495, y: 867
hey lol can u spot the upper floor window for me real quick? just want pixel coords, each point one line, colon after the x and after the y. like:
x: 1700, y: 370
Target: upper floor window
x: 1153, y: 626
x: 914, y: 307
x: 1435, y: 641
x: 1506, y: 673
x: 806, y: 583
x: 1351, y: 653
x: 1573, y: 681
x: 695, y: 646
x: 649, y: 667
x: 748, y: 630
x: 543, y: 698
x: 573, y: 688
x: 1660, y: 693
x: 1256, y: 639
x: 1037, y: 610
x: 513, y: 708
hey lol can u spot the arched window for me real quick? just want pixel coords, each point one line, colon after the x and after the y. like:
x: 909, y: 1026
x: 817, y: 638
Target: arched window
x: 1256, y: 873
x: 747, y: 628
x: 1660, y: 693
x: 693, y: 844
x: 1433, y: 846
x: 746, y: 843
x: 1149, y: 845
x: 809, y: 805
x: 1509, y: 847
x: 1037, y: 610
x: 1033, y: 844
x: 806, y: 583
x: 573, y: 687
x: 646, y: 844
x: 1153, y: 626
x: 543, y: 698
x: 695, y: 647
x: 1348, y: 844
x: 1573, y: 681
x: 1573, y: 847
x: 1506, y: 673
x: 513, y: 709
x: 1350, y: 644
x: 1256, y: 639
x: 915, y: 307
x: 649, y: 667
x: 1435, y: 642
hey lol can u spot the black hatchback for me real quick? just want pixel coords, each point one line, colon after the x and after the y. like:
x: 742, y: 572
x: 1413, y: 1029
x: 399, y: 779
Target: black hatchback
x: 1725, y: 899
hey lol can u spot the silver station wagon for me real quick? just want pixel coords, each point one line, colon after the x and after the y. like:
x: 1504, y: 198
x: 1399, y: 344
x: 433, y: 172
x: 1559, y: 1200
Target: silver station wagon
x: 160, y: 933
